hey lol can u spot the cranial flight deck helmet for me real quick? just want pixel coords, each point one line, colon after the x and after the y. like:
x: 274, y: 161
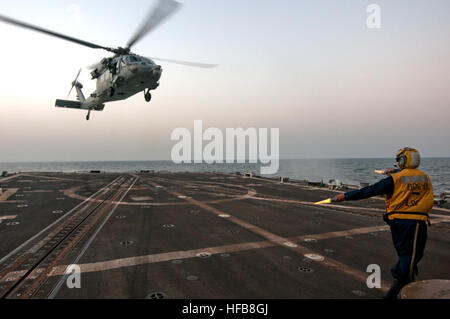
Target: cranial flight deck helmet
x: 408, y: 157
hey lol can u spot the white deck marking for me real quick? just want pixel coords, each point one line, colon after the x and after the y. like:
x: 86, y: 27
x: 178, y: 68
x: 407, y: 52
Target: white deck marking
x: 51, y: 225
x: 7, y: 193
x: 9, y: 178
x: 8, y: 217
x: 185, y: 254
x: 89, y: 242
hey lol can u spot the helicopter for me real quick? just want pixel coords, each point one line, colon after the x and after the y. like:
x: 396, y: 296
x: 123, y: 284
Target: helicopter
x: 125, y: 73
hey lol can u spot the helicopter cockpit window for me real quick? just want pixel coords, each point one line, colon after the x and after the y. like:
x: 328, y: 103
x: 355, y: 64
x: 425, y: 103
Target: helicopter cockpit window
x: 148, y: 61
x: 132, y: 59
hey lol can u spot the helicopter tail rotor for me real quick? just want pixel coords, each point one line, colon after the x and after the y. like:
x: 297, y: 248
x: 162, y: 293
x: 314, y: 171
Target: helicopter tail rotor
x: 74, y: 82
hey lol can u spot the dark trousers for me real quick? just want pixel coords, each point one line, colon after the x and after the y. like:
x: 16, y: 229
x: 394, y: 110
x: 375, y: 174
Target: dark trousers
x: 409, y: 237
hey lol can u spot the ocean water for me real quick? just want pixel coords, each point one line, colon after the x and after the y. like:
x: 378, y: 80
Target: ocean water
x: 349, y: 171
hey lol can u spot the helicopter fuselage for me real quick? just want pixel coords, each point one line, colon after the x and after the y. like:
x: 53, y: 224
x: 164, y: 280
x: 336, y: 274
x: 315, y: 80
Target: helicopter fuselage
x: 121, y: 77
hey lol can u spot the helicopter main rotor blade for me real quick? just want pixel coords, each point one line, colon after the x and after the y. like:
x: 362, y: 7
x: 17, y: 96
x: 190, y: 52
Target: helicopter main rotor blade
x: 52, y: 33
x: 155, y: 17
x: 188, y: 63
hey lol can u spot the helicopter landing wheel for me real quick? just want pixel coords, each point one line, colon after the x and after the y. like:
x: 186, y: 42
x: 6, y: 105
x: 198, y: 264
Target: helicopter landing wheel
x: 110, y: 91
x: 148, y: 96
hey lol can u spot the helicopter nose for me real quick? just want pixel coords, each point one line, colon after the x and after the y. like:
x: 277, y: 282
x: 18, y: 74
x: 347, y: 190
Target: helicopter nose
x: 156, y: 72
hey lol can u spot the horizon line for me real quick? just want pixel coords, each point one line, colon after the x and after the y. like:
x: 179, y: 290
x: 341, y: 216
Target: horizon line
x: 169, y: 160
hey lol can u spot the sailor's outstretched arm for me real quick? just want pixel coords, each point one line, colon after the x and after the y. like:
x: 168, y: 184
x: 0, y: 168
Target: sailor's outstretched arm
x: 385, y: 186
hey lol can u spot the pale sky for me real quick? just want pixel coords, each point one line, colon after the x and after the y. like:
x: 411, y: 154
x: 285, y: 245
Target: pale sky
x: 312, y: 68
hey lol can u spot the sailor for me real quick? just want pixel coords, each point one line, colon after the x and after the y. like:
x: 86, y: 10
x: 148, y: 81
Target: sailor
x: 409, y: 200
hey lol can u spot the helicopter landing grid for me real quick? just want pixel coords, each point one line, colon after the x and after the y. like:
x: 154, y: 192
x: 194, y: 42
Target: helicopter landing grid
x: 194, y: 235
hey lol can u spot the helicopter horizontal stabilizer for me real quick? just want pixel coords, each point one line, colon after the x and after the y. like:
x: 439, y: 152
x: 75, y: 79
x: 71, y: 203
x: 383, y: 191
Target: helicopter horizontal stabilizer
x: 69, y: 104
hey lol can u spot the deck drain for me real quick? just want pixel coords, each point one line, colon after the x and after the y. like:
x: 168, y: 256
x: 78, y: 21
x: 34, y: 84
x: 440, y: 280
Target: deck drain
x: 121, y: 216
x: 157, y: 295
x: 224, y: 215
x: 315, y: 257
x: 144, y: 207
x: 182, y: 196
x: 192, y: 278
x: 289, y: 244
x: 22, y: 205
x: 204, y: 254
x: 327, y: 250
x: 225, y: 255
x: 168, y: 226
x: 349, y: 237
x: 373, y: 234
x: 359, y: 293
x: 12, y: 223
x: 60, y: 198
x: 58, y: 211
x: 305, y: 269
x: 126, y: 242
x: 176, y: 261
x: 18, y: 195
x: 310, y: 240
